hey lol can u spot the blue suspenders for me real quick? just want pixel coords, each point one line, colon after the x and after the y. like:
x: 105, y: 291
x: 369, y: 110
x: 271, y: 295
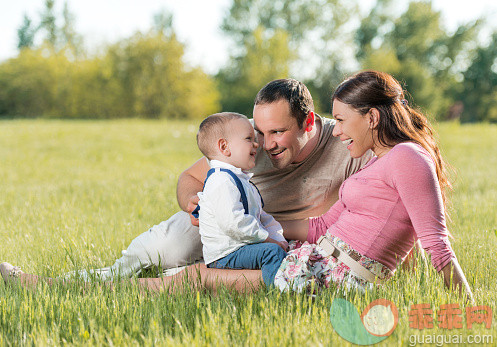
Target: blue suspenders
x: 239, y: 185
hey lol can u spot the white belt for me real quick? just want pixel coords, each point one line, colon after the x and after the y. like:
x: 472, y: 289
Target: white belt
x: 358, y: 269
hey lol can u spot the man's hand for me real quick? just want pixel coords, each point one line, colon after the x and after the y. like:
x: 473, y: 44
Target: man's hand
x: 282, y: 244
x: 192, y: 205
x: 190, y: 182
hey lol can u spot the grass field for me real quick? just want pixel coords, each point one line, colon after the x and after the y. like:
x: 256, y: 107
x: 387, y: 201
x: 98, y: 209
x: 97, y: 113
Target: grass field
x: 75, y: 193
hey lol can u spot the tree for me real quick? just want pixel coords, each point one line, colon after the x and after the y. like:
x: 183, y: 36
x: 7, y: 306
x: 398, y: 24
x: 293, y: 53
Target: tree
x: 48, y: 24
x: 142, y: 76
x: 266, y: 59
x: 26, y: 34
x: 27, y: 85
x: 373, y: 27
x: 479, y: 92
x: 154, y: 82
x: 316, y: 34
x: 416, y: 49
x: 69, y: 38
x: 163, y: 23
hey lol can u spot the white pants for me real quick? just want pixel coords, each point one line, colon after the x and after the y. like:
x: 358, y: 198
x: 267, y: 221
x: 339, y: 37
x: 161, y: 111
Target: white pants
x: 171, y: 244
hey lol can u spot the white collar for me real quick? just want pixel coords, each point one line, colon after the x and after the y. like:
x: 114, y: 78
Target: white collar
x: 236, y: 170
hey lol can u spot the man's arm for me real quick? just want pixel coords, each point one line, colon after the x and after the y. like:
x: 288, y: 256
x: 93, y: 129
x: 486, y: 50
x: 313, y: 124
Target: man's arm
x: 190, y: 182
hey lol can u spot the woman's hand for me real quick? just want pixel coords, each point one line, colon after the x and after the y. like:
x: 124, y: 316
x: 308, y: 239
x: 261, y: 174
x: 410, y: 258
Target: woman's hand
x: 282, y: 244
x: 454, y: 278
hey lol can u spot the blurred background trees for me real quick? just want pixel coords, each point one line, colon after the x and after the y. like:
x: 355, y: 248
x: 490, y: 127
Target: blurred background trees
x: 448, y: 74
x: 141, y: 76
x: 418, y: 51
x: 303, y: 39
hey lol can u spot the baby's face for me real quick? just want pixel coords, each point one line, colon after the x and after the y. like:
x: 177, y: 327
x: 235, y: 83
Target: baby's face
x: 242, y: 144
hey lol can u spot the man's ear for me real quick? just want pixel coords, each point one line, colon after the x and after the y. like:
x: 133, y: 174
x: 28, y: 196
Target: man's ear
x: 374, y: 118
x: 224, y: 148
x: 309, y: 121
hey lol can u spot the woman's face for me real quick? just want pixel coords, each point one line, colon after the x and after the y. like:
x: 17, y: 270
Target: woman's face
x: 353, y: 129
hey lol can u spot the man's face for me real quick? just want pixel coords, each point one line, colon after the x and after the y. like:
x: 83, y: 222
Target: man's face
x: 279, y: 133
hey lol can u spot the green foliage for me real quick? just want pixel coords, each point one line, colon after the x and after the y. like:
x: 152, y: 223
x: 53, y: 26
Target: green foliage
x: 149, y: 70
x: 25, y: 34
x: 154, y: 81
x: 267, y: 58
x: 143, y: 76
x: 70, y: 39
x: 447, y: 74
x: 163, y: 23
x: 75, y: 193
x: 48, y: 24
x: 301, y: 19
x: 418, y: 51
x: 314, y: 31
x: 56, y: 38
x: 423, y: 90
x: 480, y: 81
x: 27, y: 84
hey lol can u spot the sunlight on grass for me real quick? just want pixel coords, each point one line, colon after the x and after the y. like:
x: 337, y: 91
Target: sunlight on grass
x: 75, y: 193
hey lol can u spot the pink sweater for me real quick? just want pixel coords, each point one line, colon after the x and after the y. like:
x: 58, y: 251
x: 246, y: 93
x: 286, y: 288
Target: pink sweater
x: 387, y: 205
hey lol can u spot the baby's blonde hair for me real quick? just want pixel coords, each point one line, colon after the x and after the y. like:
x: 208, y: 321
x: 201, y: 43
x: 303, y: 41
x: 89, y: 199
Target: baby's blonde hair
x: 213, y: 128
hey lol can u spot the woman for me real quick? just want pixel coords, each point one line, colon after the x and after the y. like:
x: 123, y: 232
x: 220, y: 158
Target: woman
x: 398, y: 197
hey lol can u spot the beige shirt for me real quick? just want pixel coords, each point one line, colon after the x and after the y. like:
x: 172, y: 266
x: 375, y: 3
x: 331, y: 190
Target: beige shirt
x: 309, y: 188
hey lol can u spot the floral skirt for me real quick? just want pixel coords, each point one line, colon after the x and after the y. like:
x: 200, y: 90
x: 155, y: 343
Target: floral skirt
x: 307, y: 263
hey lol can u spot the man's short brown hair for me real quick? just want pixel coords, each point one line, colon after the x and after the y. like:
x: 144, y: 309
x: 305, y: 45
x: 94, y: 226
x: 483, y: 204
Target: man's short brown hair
x: 296, y: 93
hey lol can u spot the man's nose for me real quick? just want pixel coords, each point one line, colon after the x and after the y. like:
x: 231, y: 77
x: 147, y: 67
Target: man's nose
x: 268, y: 143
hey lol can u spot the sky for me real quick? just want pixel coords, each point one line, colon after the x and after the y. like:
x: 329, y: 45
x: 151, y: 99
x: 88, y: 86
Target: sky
x: 196, y: 22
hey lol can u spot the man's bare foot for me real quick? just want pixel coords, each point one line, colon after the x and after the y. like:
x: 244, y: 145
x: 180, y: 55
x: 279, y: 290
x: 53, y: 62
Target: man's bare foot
x: 10, y: 273
x: 13, y: 275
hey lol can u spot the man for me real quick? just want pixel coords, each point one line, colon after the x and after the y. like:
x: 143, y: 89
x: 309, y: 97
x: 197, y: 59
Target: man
x: 299, y: 169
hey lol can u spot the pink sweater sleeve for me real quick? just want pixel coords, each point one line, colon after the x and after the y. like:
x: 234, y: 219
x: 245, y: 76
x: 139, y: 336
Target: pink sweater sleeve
x: 319, y: 225
x: 413, y: 174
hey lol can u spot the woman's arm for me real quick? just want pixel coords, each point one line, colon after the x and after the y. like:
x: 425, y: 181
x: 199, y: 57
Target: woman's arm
x: 295, y: 229
x: 414, y: 176
x: 312, y: 228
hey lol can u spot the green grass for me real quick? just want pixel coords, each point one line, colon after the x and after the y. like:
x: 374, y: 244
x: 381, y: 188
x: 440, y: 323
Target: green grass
x: 75, y: 193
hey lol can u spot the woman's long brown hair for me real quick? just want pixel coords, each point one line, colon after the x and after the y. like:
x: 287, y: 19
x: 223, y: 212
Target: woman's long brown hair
x: 398, y: 121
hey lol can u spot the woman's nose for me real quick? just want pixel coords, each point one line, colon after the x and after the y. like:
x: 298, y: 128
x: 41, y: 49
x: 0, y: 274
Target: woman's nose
x: 336, y: 130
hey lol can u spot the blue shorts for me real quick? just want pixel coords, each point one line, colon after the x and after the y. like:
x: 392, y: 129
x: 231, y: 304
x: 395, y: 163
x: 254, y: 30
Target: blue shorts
x: 264, y: 256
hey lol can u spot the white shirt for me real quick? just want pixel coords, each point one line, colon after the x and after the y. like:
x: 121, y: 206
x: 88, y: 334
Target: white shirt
x: 224, y: 225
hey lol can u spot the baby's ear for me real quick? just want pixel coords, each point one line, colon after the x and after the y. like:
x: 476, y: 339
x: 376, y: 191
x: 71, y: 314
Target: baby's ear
x: 223, y: 147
